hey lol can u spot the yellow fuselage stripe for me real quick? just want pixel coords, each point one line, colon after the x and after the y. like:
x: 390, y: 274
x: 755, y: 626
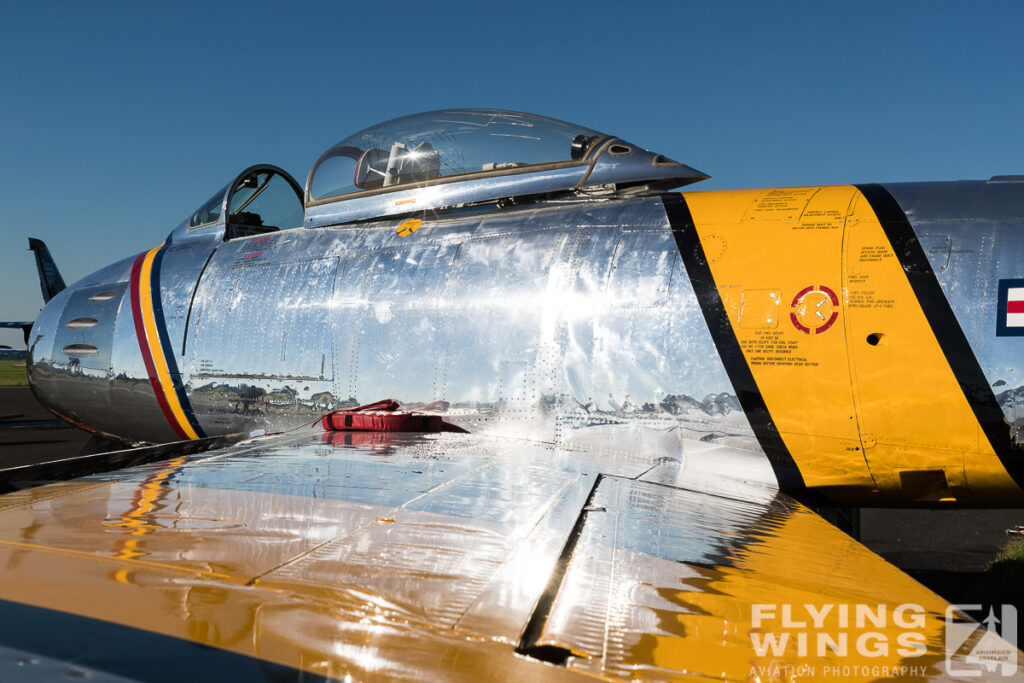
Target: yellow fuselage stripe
x: 155, y: 348
x: 840, y: 348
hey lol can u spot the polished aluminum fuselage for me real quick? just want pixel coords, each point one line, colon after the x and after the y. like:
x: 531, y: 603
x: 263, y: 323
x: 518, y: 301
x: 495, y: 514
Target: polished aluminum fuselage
x: 569, y: 322
x: 541, y: 322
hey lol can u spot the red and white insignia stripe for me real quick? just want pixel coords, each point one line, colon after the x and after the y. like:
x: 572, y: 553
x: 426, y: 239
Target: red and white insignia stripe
x: 1015, y: 307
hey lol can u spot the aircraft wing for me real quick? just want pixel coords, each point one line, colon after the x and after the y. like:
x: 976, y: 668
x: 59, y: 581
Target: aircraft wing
x: 12, y: 325
x: 355, y: 556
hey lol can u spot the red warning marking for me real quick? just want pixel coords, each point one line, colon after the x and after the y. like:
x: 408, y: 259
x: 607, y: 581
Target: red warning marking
x: 799, y: 299
x: 797, y: 325
x: 254, y: 254
x: 831, y: 321
x: 263, y: 239
x: 800, y: 295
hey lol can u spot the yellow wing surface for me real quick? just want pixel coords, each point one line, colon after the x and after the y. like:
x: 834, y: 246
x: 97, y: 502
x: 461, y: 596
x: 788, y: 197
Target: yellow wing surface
x: 445, y: 557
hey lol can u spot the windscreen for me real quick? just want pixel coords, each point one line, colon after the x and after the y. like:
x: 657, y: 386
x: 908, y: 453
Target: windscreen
x: 209, y: 212
x: 268, y: 198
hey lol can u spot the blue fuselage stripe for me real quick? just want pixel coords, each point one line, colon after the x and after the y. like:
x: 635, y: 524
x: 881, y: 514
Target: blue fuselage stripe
x: 165, y: 343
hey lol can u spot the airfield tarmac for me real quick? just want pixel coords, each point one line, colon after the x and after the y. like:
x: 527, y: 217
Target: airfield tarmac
x: 946, y: 550
x: 29, y: 433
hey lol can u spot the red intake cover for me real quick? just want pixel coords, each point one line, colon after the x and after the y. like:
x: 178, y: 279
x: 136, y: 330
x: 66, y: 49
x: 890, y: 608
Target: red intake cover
x: 380, y: 417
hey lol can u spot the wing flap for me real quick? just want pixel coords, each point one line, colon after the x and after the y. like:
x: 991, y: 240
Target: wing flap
x: 668, y: 582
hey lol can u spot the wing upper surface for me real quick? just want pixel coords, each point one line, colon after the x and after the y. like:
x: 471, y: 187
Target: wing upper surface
x: 443, y: 556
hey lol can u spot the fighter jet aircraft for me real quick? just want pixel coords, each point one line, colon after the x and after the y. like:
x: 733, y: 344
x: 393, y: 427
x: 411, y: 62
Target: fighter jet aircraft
x: 620, y: 400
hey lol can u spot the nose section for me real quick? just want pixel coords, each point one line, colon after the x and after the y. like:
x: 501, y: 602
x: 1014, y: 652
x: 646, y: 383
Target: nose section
x: 39, y: 360
x: 69, y: 353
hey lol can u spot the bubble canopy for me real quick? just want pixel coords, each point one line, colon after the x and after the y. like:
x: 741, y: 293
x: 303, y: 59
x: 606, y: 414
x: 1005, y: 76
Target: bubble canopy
x: 441, y: 144
x: 447, y: 157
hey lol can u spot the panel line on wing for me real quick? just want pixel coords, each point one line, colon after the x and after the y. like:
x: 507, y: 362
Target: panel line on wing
x: 353, y: 532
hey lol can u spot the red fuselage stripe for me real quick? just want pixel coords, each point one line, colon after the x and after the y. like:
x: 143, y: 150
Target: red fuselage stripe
x: 147, y: 356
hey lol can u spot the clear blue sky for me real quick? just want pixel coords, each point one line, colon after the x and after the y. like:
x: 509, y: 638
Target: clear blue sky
x: 117, y: 119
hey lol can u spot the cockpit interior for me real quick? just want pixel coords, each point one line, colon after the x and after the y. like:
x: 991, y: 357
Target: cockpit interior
x: 261, y: 199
